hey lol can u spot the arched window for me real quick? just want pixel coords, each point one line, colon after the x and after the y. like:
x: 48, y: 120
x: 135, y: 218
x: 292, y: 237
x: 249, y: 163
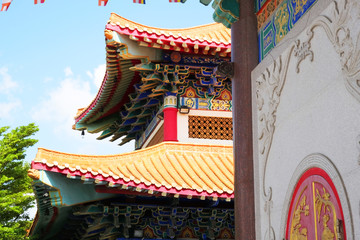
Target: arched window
x: 315, y: 211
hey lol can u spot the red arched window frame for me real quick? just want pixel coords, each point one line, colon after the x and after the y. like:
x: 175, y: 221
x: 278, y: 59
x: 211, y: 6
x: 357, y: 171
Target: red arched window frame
x: 309, y: 183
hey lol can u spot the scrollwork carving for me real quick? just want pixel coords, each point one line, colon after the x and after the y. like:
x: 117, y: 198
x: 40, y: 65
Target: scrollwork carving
x: 301, y: 51
x: 342, y: 32
x: 268, y: 90
x: 269, y: 234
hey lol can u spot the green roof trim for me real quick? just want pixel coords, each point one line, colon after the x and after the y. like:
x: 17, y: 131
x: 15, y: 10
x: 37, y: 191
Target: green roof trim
x: 226, y: 12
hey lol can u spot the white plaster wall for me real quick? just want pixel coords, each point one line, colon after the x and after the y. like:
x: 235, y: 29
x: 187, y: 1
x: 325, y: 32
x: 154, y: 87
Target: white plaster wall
x: 316, y: 114
x: 183, y: 126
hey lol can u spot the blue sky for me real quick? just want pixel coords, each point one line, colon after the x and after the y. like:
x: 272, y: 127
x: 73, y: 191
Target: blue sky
x: 52, y: 60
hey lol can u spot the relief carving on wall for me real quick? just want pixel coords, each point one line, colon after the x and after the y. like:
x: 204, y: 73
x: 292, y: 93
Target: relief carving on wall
x: 301, y: 51
x: 268, y: 90
x: 342, y: 31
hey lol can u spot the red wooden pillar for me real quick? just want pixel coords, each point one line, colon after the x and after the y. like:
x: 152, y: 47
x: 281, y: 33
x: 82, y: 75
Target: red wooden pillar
x: 170, y: 118
x: 244, y: 54
x: 170, y: 124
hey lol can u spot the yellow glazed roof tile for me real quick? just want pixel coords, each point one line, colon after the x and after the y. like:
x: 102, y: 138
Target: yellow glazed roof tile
x: 175, y: 168
x: 212, y: 33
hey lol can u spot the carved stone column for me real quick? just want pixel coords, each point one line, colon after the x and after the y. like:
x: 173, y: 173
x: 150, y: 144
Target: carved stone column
x: 244, y: 51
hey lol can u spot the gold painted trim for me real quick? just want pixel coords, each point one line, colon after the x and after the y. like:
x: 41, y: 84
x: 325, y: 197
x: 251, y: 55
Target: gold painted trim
x: 313, y: 188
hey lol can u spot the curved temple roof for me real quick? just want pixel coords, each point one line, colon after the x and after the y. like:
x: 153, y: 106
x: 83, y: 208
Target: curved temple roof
x: 103, y: 113
x: 114, y: 90
x: 166, y: 168
x: 214, y: 37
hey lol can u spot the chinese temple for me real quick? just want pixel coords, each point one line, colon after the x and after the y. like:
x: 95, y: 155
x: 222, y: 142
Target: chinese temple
x: 293, y: 173
x: 162, y: 89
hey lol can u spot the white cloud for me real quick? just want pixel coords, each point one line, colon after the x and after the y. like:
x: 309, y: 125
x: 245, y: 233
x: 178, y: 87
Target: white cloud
x: 9, y: 103
x: 68, y: 72
x: 7, y: 107
x: 6, y: 82
x: 61, y: 103
x: 97, y: 75
x: 57, y: 111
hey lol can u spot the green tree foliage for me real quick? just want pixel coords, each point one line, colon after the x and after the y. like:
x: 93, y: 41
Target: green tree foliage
x: 15, y: 186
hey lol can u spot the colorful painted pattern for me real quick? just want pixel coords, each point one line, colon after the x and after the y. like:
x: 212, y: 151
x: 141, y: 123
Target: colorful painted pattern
x: 118, y: 220
x: 266, y: 10
x: 282, y: 20
x: 259, y: 4
x: 206, y: 104
x: 168, y: 81
x: 194, y: 60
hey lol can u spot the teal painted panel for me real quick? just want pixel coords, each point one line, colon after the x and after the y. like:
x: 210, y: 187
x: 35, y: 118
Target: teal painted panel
x: 266, y: 39
x: 226, y: 12
x: 70, y: 191
x: 280, y: 23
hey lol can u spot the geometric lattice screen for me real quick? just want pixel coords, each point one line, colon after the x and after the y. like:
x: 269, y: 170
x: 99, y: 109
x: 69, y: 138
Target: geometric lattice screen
x: 210, y: 127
